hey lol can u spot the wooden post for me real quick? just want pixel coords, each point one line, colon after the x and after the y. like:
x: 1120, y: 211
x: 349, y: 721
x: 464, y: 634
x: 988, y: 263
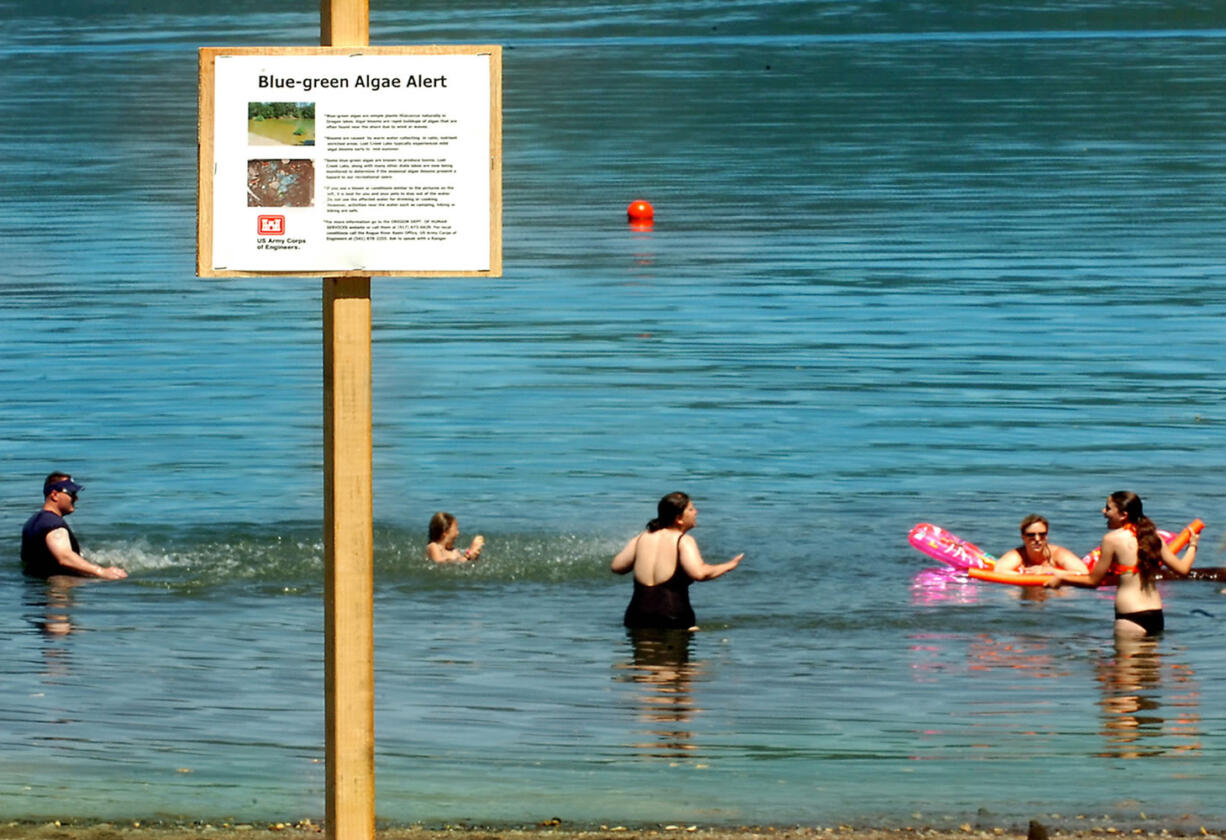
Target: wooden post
x: 344, y: 23
x: 349, y: 650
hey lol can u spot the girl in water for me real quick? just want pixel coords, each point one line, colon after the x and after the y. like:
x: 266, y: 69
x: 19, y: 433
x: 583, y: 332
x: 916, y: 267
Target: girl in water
x: 1133, y: 550
x: 443, y: 533
x: 665, y: 560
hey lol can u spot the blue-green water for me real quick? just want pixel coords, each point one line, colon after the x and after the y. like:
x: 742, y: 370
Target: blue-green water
x: 951, y: 263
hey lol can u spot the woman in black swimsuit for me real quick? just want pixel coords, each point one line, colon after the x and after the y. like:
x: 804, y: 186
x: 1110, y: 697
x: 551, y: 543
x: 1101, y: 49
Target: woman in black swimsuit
x: 665, y: 560
x: 1133, y: 550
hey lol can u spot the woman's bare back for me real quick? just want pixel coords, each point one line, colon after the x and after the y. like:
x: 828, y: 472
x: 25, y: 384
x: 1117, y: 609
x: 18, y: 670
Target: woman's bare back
x: 655, y: 556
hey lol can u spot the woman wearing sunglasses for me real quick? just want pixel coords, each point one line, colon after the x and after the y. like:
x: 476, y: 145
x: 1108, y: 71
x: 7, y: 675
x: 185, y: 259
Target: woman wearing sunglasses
x: 1036, y: 555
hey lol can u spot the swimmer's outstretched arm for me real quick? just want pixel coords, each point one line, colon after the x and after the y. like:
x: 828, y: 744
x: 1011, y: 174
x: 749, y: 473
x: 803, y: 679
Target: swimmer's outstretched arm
x: 60, y: 547
x: 691, y: 560
x: 1091, y: 579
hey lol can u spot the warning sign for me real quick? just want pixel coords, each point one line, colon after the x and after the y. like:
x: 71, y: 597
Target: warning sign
x: 376, y: 160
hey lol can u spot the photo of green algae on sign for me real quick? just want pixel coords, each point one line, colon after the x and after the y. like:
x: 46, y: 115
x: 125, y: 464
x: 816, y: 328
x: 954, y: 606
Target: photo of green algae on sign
x: 281, y: 123
x: 280, y: 183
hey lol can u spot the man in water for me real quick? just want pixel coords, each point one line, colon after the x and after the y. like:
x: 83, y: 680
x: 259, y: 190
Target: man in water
x: 1036, y: 555
x: 48, y: 546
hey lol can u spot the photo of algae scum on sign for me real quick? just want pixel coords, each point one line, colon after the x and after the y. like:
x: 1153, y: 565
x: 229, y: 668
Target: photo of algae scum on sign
x: 281, y: 123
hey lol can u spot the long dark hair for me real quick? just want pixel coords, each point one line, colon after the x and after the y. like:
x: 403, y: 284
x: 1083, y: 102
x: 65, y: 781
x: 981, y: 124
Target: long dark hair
x: 667, y: 511
x: 1149, y: 544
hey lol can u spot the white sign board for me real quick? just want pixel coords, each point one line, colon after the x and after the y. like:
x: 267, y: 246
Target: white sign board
x: 363, y: 160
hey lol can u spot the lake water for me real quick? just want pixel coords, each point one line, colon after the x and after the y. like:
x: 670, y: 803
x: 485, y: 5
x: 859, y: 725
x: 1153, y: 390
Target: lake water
x: 954, y: 263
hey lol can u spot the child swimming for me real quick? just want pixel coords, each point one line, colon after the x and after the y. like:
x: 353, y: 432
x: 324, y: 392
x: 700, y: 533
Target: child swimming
x: 444, y: 529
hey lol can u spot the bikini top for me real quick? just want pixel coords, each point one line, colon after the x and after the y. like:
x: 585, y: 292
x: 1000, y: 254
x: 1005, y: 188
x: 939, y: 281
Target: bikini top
x: 1119, y: 568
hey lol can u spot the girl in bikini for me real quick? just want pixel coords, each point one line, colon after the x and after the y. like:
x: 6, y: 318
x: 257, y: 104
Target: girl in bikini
x: 1133, y: 550
x: 665, y: 560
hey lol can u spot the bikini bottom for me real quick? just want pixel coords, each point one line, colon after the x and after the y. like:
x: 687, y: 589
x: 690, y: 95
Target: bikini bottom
x: 1148, y: 620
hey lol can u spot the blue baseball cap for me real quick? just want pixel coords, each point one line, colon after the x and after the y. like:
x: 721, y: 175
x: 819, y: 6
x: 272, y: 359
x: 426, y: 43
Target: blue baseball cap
x: 64, y: 485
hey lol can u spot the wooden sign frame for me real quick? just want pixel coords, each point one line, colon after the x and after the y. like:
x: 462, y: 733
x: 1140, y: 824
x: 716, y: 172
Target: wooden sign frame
x: 206, y: 222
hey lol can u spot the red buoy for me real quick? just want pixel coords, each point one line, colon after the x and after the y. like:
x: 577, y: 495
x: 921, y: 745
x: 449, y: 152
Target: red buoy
x: 640, y: 210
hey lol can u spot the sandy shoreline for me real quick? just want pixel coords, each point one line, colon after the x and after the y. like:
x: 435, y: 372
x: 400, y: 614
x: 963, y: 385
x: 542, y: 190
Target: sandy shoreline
x: 306, y: 830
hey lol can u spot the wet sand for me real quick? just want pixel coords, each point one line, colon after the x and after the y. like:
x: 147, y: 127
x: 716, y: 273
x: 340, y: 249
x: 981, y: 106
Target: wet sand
x: 306, y: 830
